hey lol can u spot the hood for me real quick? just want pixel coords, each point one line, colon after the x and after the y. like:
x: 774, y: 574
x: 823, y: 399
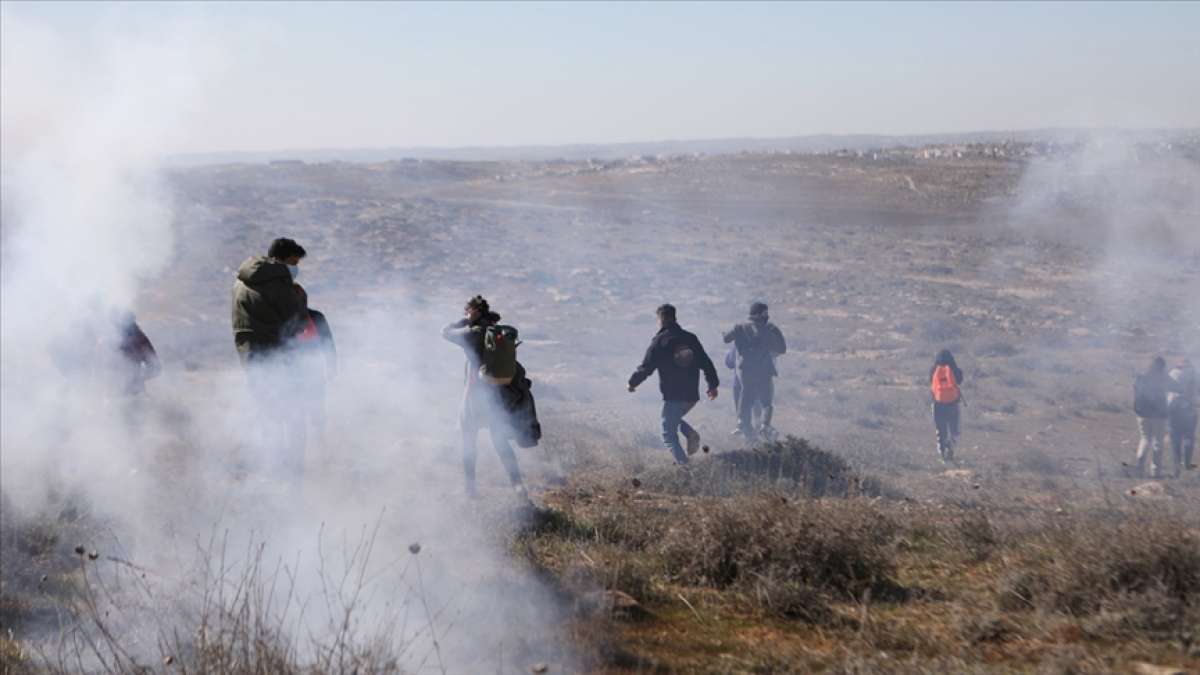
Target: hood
x: 261, y: 269
x: 944, y: 358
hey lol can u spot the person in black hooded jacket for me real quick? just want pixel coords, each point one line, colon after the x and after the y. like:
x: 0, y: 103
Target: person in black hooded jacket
x: 946, y: 412
x: 678, y: 357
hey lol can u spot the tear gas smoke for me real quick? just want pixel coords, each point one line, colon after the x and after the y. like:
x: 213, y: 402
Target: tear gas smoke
x: 187, y: 483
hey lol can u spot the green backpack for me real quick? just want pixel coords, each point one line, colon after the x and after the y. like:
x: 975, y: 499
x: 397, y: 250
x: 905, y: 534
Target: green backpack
x: 499, y: 355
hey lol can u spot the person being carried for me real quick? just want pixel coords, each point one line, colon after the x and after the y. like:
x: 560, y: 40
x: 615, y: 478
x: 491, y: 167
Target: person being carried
x: 757, y: 343
x: 678, y: 357
x: 1181, y: 415
x: 945, y: 382
x: 486, y: 393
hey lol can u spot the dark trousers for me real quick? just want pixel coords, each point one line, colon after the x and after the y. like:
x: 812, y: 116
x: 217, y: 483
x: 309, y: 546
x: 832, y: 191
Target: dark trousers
x: 756, y: 391
x: 945, y: 420
x: 1183, y: 437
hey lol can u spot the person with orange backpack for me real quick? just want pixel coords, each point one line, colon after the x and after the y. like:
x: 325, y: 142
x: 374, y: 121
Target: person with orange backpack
x: 945, y: 388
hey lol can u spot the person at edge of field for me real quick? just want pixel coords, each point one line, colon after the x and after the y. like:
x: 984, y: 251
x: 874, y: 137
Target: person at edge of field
x: 757, y: 342
x: 316, y: 366
x: 678, y: 357
x: 1181, y: 415
x: 945, y: 388
x: 1150, y: 390
x: 267, y: 314
x: 483, y: 403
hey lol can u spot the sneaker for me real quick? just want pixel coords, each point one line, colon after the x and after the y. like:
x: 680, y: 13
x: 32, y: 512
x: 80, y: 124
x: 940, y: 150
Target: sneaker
x: 736, y: 431
x: 693, y: 442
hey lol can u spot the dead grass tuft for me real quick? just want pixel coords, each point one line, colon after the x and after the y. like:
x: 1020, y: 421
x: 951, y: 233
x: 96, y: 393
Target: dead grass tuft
x: 792, y: 465
x: 844, y: 549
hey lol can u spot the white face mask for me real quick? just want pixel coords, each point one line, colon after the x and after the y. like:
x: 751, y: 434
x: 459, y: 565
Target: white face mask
x: 295, y: 270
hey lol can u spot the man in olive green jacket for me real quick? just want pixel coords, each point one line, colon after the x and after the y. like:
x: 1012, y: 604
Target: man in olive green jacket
x: 267, y: 311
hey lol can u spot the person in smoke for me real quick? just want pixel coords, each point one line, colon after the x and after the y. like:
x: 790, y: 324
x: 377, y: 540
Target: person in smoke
x: 107, y: 347
x: 1181, y: 415
x: 484, y: 403
x: 731, y: 363
x: 757, y: 343
x: 266, y: 308
x: 136, y: 361
x: 315, y: 365
x: 1150, y: 390
x: 945, y: 382
x: 267, y: 314
x: 678, y: 357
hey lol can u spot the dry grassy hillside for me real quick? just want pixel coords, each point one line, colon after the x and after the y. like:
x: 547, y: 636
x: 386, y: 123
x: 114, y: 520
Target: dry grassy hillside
x: 854, y: 550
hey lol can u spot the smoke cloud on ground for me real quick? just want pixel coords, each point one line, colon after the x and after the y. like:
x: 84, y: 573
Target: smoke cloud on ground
x: 187, y: 484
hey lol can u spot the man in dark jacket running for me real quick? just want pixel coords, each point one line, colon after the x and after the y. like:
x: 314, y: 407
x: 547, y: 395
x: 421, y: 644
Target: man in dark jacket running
x: 758, y: 342
x: 678, y: 357
x: 484, y: 402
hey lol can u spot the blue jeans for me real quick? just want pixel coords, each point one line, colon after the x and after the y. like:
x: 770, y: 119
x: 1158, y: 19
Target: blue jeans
x: 672, y: 424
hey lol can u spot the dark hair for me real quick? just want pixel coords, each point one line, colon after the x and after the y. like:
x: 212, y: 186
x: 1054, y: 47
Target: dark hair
x: 479, y: 303
x: 1159, y: 363
x: 944, y: 358
x: 666, y: 312
x: 284, y: 248
x: 758, y: 309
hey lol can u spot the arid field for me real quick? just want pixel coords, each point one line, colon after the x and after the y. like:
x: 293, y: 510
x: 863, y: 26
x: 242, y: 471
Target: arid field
x: 848, y: 547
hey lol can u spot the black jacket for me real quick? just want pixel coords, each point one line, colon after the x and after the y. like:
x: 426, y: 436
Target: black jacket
x: 757, y: 343
x: 678, y: 357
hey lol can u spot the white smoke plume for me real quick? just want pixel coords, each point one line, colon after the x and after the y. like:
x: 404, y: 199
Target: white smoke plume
x: 185, y: 480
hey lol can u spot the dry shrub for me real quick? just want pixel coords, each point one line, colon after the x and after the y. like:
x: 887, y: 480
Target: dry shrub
x: 793, y: 465
x: 245, y: 619
x: 613, y: 569
x: 844, y: 549
x: 1089, y: 569
x: 788, y: 599
x: 1037, y: 461
x: 974, y: 532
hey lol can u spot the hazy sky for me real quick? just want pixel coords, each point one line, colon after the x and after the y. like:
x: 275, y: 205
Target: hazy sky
x: 315, y: 75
